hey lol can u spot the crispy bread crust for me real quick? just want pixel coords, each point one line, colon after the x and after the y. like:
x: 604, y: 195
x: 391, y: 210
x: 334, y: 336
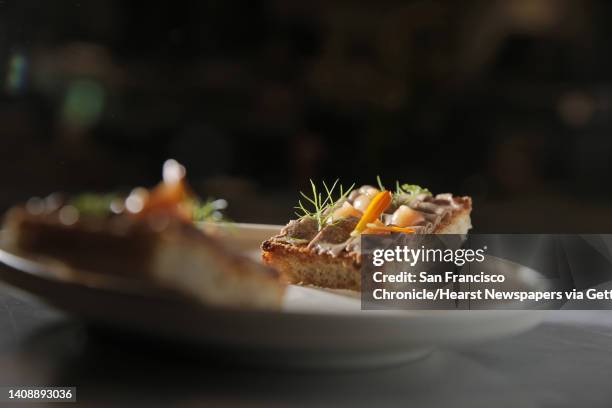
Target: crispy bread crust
x: 298, y: 264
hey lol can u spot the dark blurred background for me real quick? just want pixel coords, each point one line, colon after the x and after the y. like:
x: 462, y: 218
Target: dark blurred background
x: 507, y: 101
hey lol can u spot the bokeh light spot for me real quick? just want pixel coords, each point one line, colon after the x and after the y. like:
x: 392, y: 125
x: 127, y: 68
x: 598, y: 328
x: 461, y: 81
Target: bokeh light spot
x: 83, y: 103
x: 16, y: 73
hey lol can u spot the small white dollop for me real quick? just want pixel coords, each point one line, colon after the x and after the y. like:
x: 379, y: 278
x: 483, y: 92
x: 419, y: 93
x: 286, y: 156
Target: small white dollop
x: 346, y: 210
x: 136, y: 200
x: 405, y: 216
x: 173, y: 172
x: 219, y: 204
x: 371, y: 191
x: 362, y: 202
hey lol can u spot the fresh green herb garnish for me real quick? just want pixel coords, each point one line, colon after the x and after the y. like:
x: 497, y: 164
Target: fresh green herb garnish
x: 321, y: 204
x: 381, y: 187
x: 210, y: 210
x: 402, y: 190
x: 93, y: 204
x: 411, y: 189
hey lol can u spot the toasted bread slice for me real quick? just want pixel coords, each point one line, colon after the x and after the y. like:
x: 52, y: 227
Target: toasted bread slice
x: 301, y: 258
x: 170, y: 252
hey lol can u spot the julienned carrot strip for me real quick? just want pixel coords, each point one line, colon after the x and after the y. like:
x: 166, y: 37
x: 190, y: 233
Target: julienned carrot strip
x: 388, y: 228
x: 377, y: 206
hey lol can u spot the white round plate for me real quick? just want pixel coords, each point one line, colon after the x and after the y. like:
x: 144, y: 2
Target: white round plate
x: 316, y: 327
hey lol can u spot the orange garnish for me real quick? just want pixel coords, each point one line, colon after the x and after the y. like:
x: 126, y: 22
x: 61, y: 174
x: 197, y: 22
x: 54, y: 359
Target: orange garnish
x: 372, y: 228
x: 172, y: 196
x: 377, y: 206
x: 170, y: 199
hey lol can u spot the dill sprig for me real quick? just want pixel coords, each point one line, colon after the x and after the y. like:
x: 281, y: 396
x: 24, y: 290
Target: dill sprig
x: 321, y: 203
x: 381, y: 187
